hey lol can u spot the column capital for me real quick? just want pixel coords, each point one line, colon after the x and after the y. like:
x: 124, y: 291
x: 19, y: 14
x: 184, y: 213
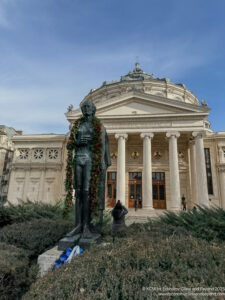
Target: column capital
x: 176, y: 134
x: 147, y: 134
x: 221, y: 168
x: 198, y: 134
x: 121, y: 135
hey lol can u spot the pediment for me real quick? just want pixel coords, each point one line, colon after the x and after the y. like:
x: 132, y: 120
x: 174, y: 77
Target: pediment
x: 137, y: 107
x: 148, y: 105
x: 142, y: 105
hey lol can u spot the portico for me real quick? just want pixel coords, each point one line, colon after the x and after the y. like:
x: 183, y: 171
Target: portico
x: 172, y: 159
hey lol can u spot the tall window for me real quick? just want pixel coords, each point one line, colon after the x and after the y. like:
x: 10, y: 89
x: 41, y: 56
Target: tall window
x: 208, y: 171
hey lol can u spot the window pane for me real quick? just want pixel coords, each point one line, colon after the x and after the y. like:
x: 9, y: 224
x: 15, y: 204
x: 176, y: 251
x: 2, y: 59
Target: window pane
x: 138, y: 191
x: 130, y: 176
x: 162, y: 176
x: 109, y: 191
x: 113, y: 175
x: 114, y: 191
x: 208, y: 171
x: 153, y: 175
x: 108, y: 175
x: 161, y: 192
x: 158, y: 176
x: 132, y: 191
x: 135, y: 175
x: 155, y: 192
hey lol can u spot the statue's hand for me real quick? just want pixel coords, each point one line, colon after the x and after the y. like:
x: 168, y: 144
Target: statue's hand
x: 83, y: 141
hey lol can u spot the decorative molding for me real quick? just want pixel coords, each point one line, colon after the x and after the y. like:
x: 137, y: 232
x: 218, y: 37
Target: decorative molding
x: 113, y: 155
x: 181, y: 155
x: 23, y: 154
x: 53, y: 154
x: 170, y: 134
x: 157, y: 155
x: 135, y: 155
x: 147, y: 135
x: 38, y: 154
x: 199, y: 134
x: 221, y: 168
x: 121, y: 135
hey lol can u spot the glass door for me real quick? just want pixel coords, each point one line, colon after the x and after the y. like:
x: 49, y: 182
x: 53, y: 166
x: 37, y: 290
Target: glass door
x: 135, y: 189
x: 111, y: 189
x: 158, y: 190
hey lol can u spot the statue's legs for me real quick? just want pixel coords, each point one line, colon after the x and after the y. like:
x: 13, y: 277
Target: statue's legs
x: 98, y: 226
x: 78, y: 205
x: 85, y: 197
x: 78, y: 210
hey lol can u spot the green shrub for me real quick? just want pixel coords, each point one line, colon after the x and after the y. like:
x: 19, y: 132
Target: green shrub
x: 27, y: 211
x: 107, y: 222
x: 206, y: 223
x: 15, y: 276
x: 143, y: 255
x: 35, y: 236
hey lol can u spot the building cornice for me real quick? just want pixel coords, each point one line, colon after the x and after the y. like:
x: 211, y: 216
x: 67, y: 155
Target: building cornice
x: 48, y: 138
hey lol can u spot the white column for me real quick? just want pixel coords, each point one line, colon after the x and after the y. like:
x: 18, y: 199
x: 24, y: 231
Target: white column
x: 202, y: 189
x: 120, y: 181
x: 222, y: 176
x: 193, y: 173
x: 221, y: 155
x: 41, y: 194
x: 175, y: 201
x: 147, y: 170
x: 26, y: 185
x: 222, y: 185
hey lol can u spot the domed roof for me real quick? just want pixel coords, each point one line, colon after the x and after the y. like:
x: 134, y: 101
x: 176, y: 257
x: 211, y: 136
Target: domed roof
x: 145, y: 83
x: 137, y: 74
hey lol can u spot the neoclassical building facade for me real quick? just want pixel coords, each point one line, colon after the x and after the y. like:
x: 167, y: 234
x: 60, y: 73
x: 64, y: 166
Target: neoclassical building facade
x: 162, y: 148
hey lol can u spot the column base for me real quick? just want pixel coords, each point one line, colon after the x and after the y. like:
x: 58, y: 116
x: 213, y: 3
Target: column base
x: 204, y: 204
x: 148, y: 207
x: 174, y: 209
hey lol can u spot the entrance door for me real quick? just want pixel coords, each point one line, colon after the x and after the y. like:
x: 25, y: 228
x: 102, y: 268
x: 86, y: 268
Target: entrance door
x: 158, y: 190
x: 135, y: 189
x: 111, y: 189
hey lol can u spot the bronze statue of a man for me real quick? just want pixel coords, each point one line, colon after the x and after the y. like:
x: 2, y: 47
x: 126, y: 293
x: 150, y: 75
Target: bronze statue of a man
x: 82, y: 170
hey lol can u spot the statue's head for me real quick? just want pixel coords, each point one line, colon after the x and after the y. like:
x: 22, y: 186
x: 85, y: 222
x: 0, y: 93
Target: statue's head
x: 88, y: 108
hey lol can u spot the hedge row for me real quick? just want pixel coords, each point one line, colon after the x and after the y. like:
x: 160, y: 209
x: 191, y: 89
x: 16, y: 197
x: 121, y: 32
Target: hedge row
x: 35, y: 236
x: 206, y: 223
x: 20, y: 245
x: 15, y: 272
x: 143, y: 256
x: 26, y: 211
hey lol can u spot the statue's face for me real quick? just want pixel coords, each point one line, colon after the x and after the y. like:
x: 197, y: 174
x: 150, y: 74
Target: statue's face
x: 87, y: 109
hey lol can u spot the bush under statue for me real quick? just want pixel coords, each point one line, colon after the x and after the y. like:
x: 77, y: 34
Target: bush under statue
x: 86, y: 173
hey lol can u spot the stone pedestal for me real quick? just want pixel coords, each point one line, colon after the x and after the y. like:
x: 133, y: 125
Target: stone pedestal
x: 46, y: 260
x: 84, y: 243
x: 68, y: 242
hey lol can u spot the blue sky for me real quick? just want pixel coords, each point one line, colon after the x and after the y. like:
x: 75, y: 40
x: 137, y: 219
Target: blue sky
x: 52, y: 52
